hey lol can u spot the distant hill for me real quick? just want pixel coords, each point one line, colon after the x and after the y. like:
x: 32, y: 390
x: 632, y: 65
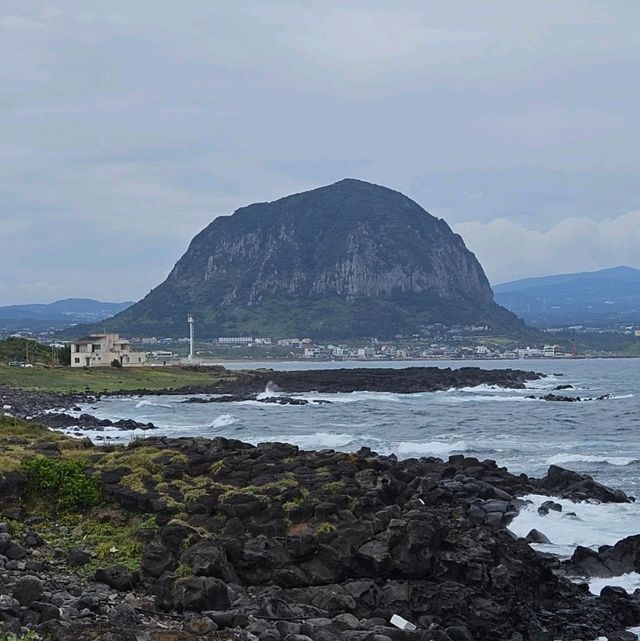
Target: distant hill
x: 57, y: 315
x: 604, y: 297
x: 350, y: 259
x: 24, y: 350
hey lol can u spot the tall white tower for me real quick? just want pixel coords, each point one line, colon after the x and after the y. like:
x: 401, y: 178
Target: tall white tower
x: 190, y: 321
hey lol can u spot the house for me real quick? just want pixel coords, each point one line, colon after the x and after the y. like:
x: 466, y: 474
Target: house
x: 553, y: 351
x: 100, y: 350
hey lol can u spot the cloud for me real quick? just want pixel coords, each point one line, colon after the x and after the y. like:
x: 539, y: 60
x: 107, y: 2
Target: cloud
x: 145, y: 120
x: 508, y: 250
x: 18, y: 23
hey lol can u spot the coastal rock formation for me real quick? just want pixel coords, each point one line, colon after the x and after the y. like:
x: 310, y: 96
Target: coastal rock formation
x: 87, y: 421
x: 350, y: 259
x: 609, y: 560
x: 406, y: 380
x: 48, y: 407
x: 273, y: 543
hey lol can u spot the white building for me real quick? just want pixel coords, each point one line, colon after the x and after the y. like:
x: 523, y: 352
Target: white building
x: 100, y: 350
x: 553, y: 351
x: 529, y: 352
x: 235, y: 340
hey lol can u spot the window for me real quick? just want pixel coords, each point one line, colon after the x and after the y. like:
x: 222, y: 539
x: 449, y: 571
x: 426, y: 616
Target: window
x: 77, y: 360
x: 96, y: 347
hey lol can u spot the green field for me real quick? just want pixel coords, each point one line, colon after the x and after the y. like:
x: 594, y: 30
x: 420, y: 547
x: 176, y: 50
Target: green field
x: 106, y: 379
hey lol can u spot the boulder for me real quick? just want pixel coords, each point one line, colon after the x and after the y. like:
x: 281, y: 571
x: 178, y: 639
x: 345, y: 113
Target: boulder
x: 28, y: 589
x: 200, y: 593
x: 535, y: 536
x: 118, y: 577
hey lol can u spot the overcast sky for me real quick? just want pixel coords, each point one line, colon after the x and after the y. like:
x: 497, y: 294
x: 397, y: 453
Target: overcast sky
x: 127, y: 126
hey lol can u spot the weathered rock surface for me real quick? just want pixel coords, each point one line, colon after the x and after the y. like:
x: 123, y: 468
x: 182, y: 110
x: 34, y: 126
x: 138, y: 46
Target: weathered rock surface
x: 87, y: 421
x: 402, y: 381
x: 350, y: 259
x: 271, y: 542
x: 609, y: 560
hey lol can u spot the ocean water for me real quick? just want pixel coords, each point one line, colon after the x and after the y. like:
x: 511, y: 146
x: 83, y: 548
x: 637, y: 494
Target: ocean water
x: 597, y: 437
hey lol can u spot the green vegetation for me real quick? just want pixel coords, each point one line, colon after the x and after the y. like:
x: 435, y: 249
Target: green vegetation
x: 145, y: 463
x: 65, y: 482
x: 301, y: 499
x: 31, y: 635
x: 67, y: 380
x: 24, y: 350
x: 333, y: 487
x: 18, y: 438
x: 65, y: 492
x: 108, y: 535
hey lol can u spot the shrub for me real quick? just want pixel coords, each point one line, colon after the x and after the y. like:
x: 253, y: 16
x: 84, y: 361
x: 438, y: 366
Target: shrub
x: 116, y: 363
x: 66, y: 482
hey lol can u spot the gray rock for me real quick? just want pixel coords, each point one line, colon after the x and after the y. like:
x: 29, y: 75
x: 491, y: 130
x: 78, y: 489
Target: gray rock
x: 535, y: 536
x: 28, y: 589
x: 200, y: 593
x: 495, y: 505
x: 346, y: 621
x: 118, y: 577
x: 494, y: 518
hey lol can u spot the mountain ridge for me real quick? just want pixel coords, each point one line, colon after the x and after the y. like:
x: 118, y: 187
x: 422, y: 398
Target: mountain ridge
x: 620, y: 272
x: 346, y: 259
x: 58, y: 314
x: 604, y: 297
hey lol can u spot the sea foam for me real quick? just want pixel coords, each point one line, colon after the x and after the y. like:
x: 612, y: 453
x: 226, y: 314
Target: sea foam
x: 568, y: 457
x: 629, y: 581
x: 586, y: 524
x: 430, y: 448
x: 223, y: 420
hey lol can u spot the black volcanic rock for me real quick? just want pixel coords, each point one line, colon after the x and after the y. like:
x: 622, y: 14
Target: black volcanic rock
x: 350, y: 259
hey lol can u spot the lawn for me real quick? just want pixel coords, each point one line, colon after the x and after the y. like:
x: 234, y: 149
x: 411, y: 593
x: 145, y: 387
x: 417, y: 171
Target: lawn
x: 106, y: 379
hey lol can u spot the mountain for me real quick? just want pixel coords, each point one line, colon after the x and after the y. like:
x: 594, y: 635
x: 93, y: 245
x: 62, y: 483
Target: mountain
x: 350, y: 259
x: 605, y: 297
x: 57, y: 315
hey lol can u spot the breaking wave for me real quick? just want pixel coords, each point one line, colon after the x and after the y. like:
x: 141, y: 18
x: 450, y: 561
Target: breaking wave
x: 630, y: 582
x: 431, y: 448
x: 556, y: 459
x: 145, y: 403
x: 223, y: 420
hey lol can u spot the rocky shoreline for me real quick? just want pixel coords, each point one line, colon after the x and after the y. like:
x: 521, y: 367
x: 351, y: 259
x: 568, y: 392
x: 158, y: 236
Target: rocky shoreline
x: 51, y: 409
x: 194, y: 539
x: 271, y: 543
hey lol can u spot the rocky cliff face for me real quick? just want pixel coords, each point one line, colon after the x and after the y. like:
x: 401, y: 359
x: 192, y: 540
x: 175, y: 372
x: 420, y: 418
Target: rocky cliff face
x: 349, y: 259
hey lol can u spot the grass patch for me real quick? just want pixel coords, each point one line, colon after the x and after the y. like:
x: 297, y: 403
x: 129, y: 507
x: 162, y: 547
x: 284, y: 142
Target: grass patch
x: 68, y: 380
x: 145, y: 463
x: 303, y: 496
x: 17, y: 438
x: 31, y: 635
x: 333, y: 487
x: 109, y: 536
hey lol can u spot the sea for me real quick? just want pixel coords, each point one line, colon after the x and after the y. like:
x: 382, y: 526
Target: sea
x: 596, y: 437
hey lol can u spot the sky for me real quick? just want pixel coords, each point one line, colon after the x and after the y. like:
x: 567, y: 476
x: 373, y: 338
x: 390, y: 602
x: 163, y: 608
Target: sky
x: 126, y: 127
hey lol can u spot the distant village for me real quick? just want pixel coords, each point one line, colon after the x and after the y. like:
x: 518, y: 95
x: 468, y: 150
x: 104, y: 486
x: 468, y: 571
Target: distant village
x: 111, y: 349
x: 437, y: 342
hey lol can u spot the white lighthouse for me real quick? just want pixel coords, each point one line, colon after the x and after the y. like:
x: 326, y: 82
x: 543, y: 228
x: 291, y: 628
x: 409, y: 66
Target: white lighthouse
x: 190, y: 321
